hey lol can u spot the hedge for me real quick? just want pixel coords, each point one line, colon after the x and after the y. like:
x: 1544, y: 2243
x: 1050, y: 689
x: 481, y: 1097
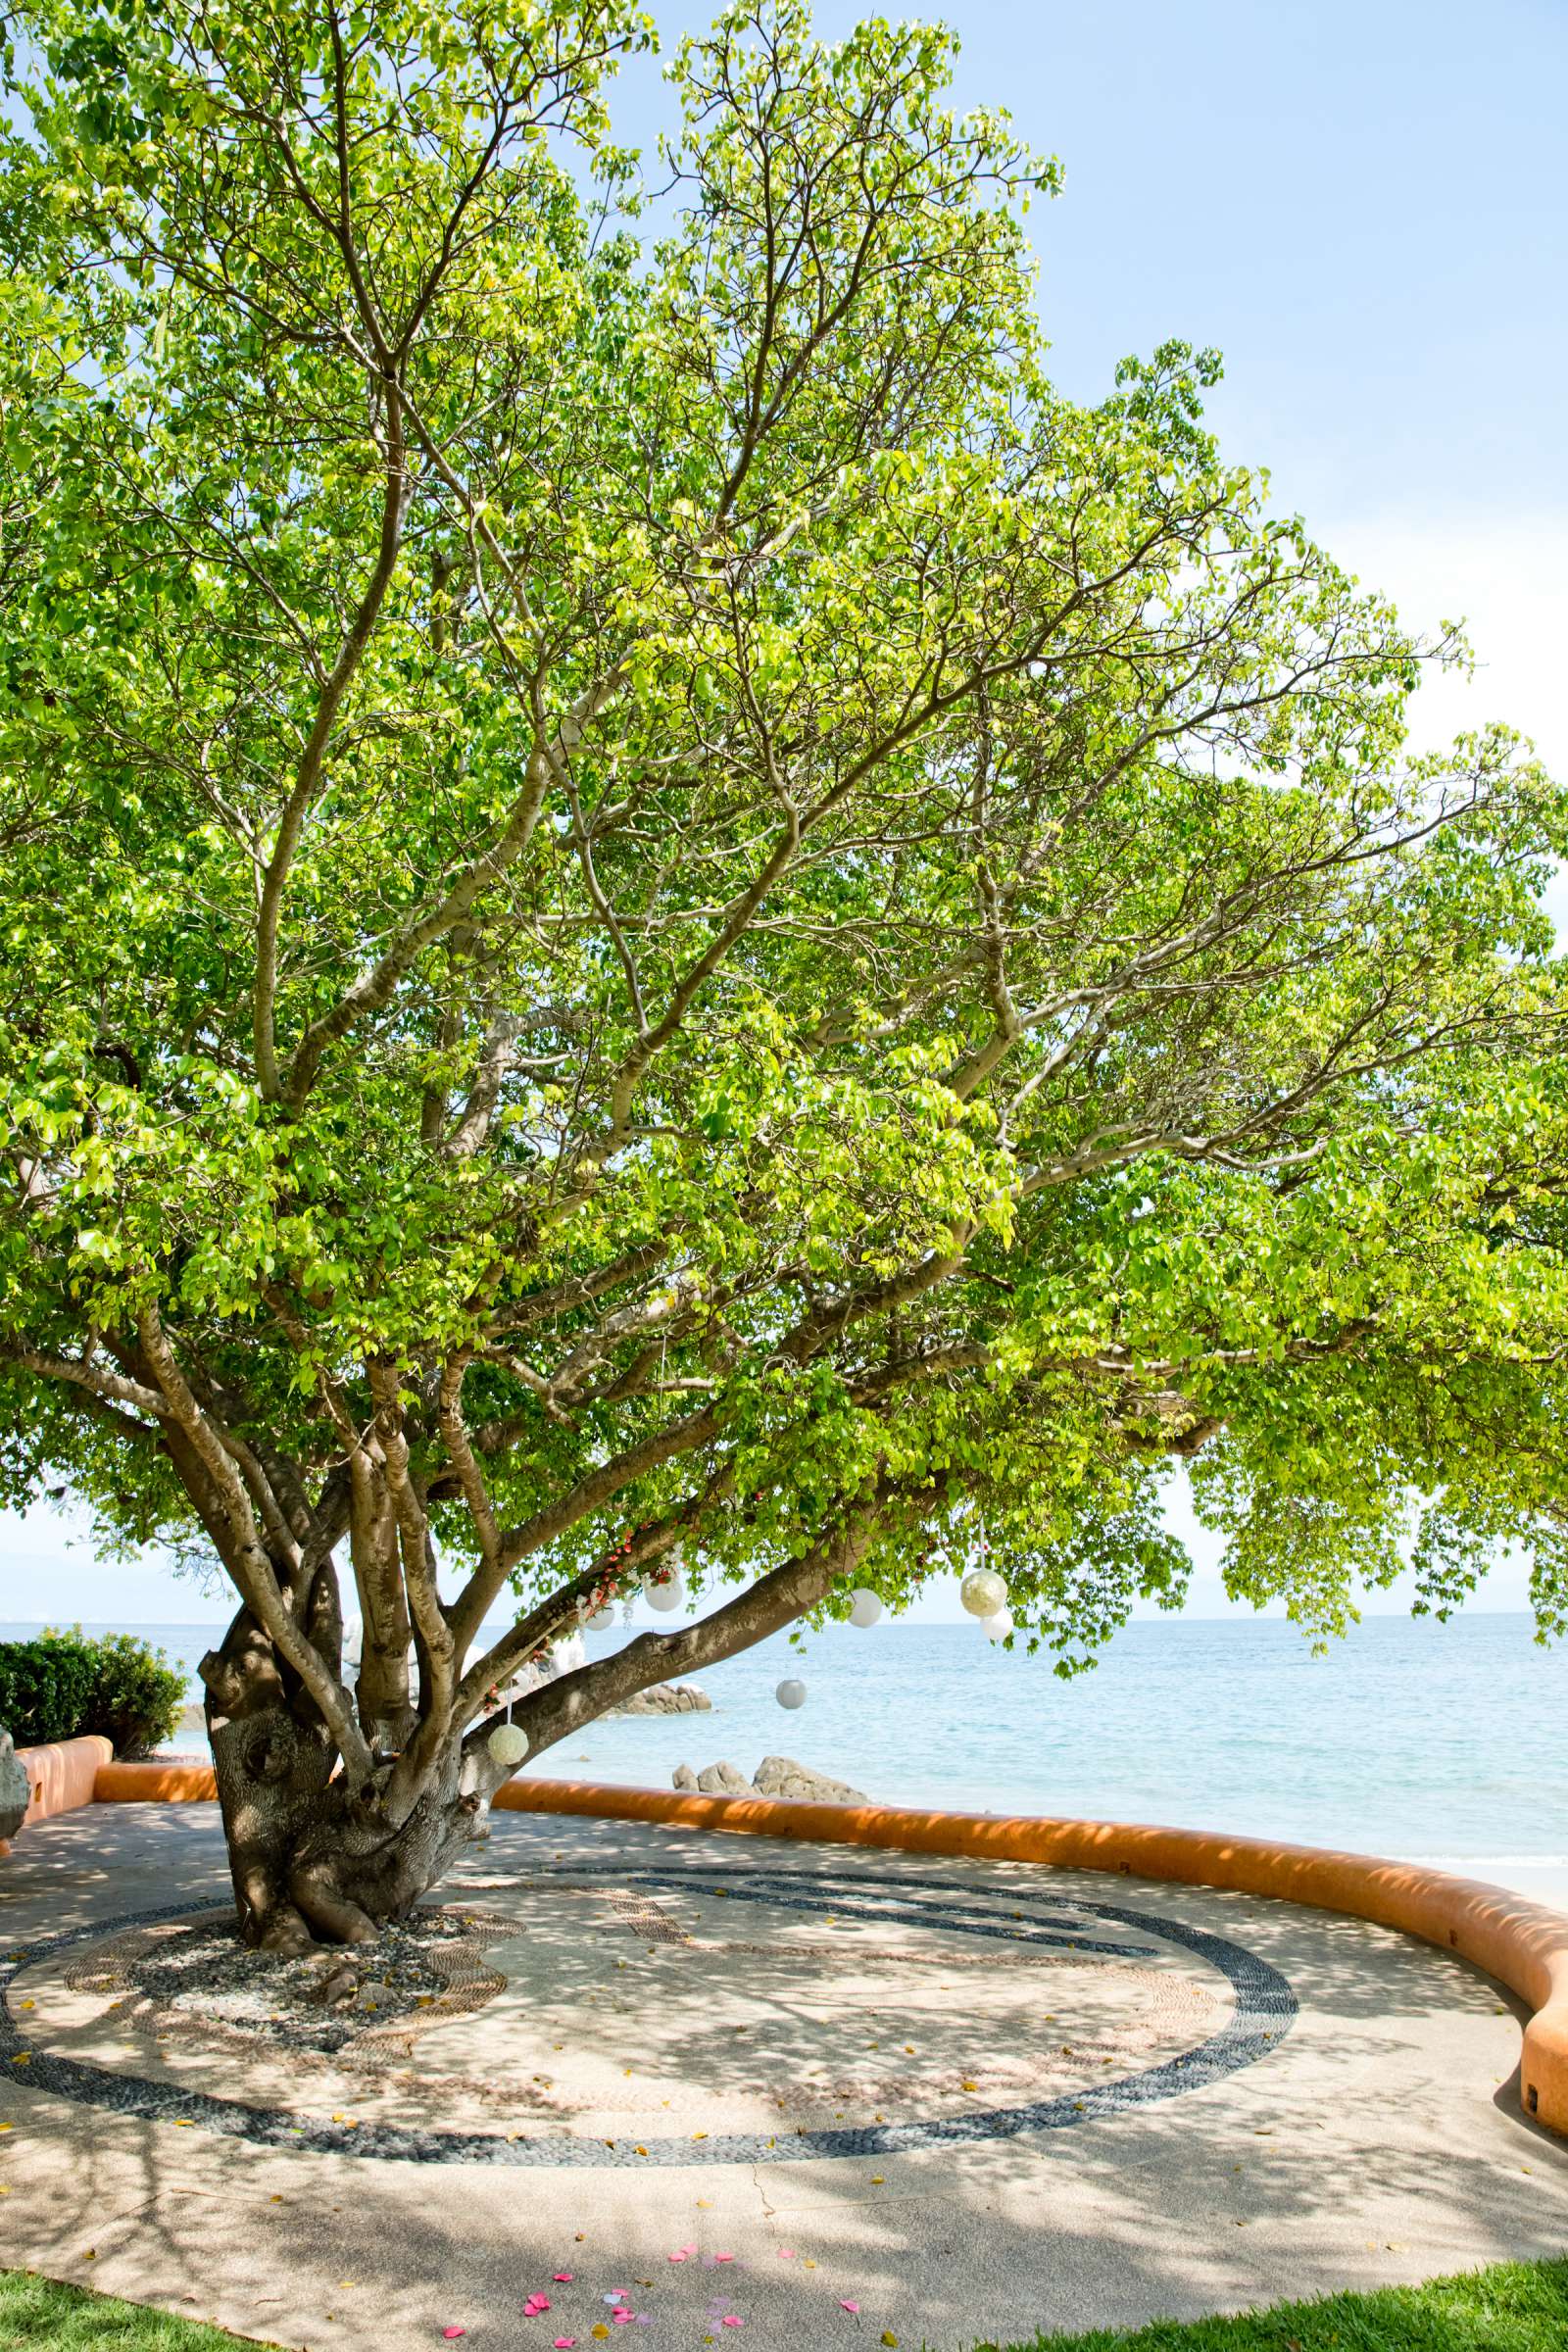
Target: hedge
x: 63, y: 1686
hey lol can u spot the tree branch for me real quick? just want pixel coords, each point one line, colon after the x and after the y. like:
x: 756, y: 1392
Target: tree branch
x: 259, y: 1585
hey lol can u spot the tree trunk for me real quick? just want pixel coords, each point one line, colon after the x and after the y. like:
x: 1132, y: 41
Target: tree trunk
x: 312, y: 1860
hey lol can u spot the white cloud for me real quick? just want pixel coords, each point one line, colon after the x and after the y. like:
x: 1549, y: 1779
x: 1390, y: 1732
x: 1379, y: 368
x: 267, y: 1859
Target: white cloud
x: 1505, y: 580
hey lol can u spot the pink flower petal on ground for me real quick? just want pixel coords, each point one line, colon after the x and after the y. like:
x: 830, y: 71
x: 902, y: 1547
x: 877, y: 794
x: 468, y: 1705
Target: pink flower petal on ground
x: 565, y: 2343
x: 451, y: 2332
x: 786, y: 2253
x: 562, y: 2277
x: 621, y: 2317
x: 678, y: 2256
x: 732, y: 2321
x: 843, y: 2306
x: 723, y: 2257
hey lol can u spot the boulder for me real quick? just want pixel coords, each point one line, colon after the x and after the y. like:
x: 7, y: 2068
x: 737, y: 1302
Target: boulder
x: 666, y: 1698
x: 723, y: 1780
x: 338, y: 1984
x: 776, y: 1776
x: 15, y: 1792
x: 781, y: 1775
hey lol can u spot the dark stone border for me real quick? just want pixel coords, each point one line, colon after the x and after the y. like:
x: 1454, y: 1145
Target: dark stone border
x: 961, y: 1920
x: 1265, y: 2009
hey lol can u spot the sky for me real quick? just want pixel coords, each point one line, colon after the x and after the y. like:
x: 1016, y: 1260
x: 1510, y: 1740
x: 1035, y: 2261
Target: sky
x: 1363, y: 208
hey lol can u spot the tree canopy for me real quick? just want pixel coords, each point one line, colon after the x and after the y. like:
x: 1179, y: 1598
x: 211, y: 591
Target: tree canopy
x: 653, y: 901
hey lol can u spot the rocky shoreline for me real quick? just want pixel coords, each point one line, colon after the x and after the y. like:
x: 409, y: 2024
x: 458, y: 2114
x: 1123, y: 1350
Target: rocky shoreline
x: 776, y: 1776
x: 666, y: 1698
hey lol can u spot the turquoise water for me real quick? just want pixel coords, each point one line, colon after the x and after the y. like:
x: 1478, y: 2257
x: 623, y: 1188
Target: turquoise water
x: 1439, y: 1743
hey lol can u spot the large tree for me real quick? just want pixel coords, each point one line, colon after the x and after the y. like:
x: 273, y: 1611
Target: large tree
x: 656, y: 908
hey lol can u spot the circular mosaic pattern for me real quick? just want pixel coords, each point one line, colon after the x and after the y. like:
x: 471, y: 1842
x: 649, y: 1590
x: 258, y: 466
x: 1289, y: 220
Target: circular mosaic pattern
x: 1042, y: 1927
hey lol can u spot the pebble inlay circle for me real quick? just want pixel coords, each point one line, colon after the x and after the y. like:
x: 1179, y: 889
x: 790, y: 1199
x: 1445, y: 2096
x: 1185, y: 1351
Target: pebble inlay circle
x: 174, y: 1984
x: 1264, y: 2010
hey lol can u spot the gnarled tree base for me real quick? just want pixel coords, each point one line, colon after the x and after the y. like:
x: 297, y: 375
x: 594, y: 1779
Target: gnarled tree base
x: 313, y: 1862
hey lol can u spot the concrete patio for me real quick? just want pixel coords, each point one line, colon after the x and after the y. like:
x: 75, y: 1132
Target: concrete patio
x: 855, y: 2094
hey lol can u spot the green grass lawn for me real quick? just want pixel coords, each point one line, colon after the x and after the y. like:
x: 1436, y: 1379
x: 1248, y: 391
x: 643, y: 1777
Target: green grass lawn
x: 36, y: 2315
x: 1514, y: 2307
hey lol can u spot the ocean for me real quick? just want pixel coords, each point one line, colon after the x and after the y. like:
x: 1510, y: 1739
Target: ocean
x: 1424, y: 1741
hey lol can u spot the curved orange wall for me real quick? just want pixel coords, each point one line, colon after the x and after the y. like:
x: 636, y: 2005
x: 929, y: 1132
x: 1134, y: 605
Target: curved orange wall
x: 63, y: 1776
x: 154, y: 1782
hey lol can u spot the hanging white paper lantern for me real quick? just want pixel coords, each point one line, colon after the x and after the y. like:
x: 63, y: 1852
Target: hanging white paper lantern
x: 667, y: 1595
x: 983, y: 1593
x: 790, y: 1692
x: 602, y: 1619
x: 507, y: 1744
x: 865, y: 1608
x: 997, y: 1628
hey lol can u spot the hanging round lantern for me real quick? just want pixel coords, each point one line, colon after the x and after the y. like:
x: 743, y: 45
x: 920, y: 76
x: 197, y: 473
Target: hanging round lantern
x: 666, y: 1595
x: 790, y: 1692
x: 865, y: 1608
x: 602, y: 1619
x: 983, y: 1593
x: 997, y: 1628
x: 507, y: 1744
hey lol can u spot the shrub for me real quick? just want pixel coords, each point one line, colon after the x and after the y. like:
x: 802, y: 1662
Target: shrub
x: 138, y: 1696
x: 46, y: 1687
x: 63, y: 1686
